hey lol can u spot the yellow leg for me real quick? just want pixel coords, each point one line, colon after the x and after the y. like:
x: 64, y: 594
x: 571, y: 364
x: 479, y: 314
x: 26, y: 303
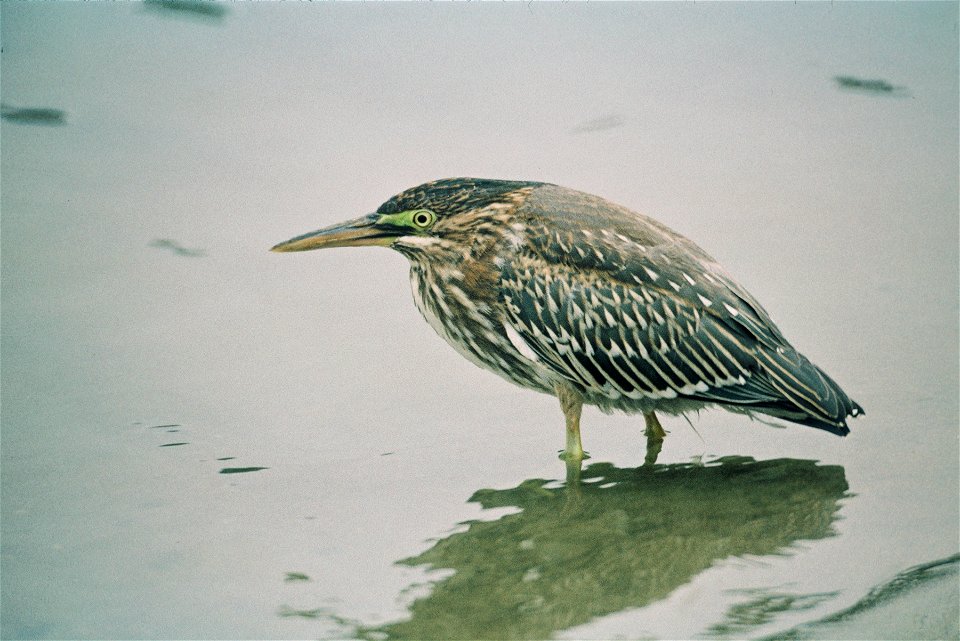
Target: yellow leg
x: 654, y: 429
x: 571, y: 402
x: 655, y: 435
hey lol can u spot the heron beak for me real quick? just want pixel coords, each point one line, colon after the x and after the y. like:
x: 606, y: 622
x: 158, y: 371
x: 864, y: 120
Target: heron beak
x: 352, y: 233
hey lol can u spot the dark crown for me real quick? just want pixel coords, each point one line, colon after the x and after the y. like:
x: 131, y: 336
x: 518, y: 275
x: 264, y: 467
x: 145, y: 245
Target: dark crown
x: 452, y: 195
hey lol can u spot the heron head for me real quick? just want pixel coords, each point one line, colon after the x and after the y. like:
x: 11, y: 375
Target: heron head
x: 441, y: 212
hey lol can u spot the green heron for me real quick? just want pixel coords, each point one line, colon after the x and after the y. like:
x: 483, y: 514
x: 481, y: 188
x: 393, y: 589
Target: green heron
x: 569, y: 294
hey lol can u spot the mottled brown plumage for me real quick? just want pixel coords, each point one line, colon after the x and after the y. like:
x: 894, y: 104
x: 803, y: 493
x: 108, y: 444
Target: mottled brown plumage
x: 572, y: 295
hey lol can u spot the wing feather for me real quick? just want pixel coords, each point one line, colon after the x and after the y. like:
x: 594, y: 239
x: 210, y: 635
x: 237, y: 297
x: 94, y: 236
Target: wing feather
x: 596, y: 335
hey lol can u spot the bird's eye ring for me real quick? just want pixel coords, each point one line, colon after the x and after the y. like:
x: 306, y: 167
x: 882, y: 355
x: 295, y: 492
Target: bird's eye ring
x: 423, y: 218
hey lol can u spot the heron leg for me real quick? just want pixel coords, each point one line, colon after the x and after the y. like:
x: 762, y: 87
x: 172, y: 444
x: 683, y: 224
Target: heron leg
x: 655, y: 435
x: 571, y: 402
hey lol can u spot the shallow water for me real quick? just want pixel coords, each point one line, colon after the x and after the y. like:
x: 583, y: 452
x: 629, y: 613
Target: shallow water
x: 201, y: 439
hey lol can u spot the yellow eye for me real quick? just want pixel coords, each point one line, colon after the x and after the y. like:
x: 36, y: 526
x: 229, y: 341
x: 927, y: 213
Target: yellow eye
x: 423, y: 218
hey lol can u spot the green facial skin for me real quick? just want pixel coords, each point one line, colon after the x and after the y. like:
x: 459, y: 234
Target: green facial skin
x: 415, y: 219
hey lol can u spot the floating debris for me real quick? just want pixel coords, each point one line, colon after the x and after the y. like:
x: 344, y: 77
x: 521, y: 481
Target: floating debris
x: 600, y: 124
x: 177, y: 248
x: 199, y: 8
x: 853, y: 83
x: 45, y: 116
x: 296, y: 576
x: 174, y: 444
x: 157, y: 427
x: 226, y: 458
x: 315, y: 613
x: 241, y: 470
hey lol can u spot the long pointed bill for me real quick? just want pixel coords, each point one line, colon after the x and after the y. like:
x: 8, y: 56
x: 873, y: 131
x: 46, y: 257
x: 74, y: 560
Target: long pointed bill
x: 352, y: 233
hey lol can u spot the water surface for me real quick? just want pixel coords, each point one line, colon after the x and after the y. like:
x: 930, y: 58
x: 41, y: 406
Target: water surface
x: 201, y: 439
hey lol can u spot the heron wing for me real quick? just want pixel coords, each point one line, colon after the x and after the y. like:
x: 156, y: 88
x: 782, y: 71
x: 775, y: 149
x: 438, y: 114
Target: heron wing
x: 618, y: 339
x: 630, y: 308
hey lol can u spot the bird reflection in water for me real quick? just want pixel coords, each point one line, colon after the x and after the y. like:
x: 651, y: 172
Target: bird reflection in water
x: 618, y: 539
